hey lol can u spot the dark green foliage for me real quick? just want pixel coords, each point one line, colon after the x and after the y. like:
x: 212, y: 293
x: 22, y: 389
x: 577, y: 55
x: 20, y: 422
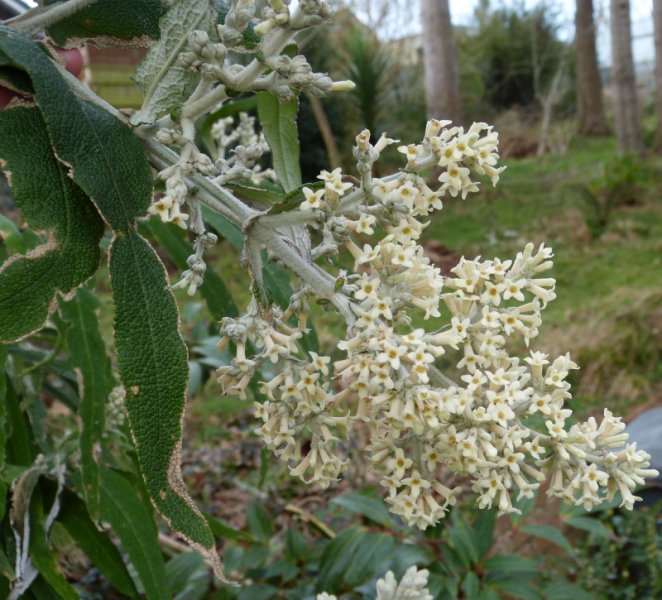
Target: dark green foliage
x: 52, y: 202
x: 88, y: 356
x: 280, y: 130
x: 628, y: 564
x: 512, y: 53
x: 98, y: 165
x: 367, y: 66
x: 99, y: 23
x: 153, y: 368
x: 621, y: 182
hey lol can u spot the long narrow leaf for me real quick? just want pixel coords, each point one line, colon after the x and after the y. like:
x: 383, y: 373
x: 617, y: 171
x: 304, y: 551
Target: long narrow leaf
x: 104, y: 157
x: 3, y: 405
x: 133, y: 522
x: 42, y: 554
x: 280, y: 130
x: 96, y: 544
x: 87, y: 353
x: 153, y: 365
x: 52, y: 201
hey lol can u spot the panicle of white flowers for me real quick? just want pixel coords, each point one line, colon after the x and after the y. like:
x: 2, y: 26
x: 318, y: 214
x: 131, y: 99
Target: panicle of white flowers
x: 412, y: 586
x: 503, y: 424
x: 239, y: 148
x: 218, y: 57
x: 193, y: 277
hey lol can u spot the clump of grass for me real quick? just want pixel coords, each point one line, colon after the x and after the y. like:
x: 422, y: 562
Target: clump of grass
x: 619, y: 350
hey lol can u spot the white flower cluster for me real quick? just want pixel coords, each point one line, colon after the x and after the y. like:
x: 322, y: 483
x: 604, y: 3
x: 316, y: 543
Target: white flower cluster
x: 502, y: 424
x: 412, y: 586
x: 219, y: 58
x: 238, y: 148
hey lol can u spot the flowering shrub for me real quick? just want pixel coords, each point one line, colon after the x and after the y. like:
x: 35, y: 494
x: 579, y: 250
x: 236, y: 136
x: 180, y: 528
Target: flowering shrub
x: 420, y: 419
x: 502, y: 424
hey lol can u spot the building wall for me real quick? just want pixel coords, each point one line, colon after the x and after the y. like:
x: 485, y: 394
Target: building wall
x: 109, y: 73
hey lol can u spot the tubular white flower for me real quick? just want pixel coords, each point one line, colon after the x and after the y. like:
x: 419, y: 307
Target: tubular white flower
x: 481, y: 427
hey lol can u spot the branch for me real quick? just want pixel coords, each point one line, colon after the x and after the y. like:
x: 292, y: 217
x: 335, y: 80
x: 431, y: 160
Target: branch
x: 225, y: 203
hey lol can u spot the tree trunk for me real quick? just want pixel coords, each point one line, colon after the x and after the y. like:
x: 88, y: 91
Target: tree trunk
x: 657, y: 25
x: 626, y: 103
x: 442, y: 83
x: 548, y: 102
x: 590, y: 108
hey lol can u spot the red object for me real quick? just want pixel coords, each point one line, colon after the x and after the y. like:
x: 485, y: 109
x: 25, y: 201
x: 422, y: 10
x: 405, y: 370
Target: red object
x: 73, y: 59
x: 74, y: 64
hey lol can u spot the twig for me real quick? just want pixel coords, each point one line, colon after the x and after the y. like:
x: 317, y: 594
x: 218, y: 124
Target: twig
x: 312, y: 519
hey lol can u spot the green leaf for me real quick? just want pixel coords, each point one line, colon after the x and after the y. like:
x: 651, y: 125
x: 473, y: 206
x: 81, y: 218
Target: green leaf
x: 280, y: 130
x: 213, y: 290
x: 11, y: 236
x: 463, y: 539
x: 40, y: 590
x: 153, y: 365
x: 260, y: 523
x: 133, y: 523
x: 407, y: 555
x: 371, y: 508
x: 488, y: 594
x: 255, y: 196
x: 504, y: 565
x: 52, y: 201
x: 96, y: 544
x: 225, y: 532
x: 470, y: 586
x: 336, y: 559
x: 6, y: 568
x: 188, y: 577
x: 3, y: 407
x: 109, y: 23
x: 162, y: 78
x: 105, y: 159
x: 551, y: 534
x: 87, y: 354
x: 518, y: 588
x: 371, y: 557
x: 296, y: 547
x: 43, y: 556
x: 593, y: 526
x: 258, y: 591
x: 224, y: 228
x: 14, y: 78
x: 20, y: 448
x: 484, y: 528
x: 564, y: 590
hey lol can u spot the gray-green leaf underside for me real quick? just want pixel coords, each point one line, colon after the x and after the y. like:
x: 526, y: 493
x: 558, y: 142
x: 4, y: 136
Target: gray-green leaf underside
x: 163, y: 80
